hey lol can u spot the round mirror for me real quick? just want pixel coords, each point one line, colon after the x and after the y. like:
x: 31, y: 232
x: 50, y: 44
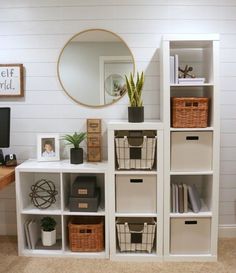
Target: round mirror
x: 92, y: 67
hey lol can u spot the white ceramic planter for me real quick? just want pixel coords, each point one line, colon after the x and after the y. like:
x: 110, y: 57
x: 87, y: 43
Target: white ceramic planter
x: 48, y: 237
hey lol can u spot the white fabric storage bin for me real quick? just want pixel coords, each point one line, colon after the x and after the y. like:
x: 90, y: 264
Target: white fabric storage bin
x: 191, y: 151
x: 136, y: 193
x: 190, y: 235
x: 136, y: 234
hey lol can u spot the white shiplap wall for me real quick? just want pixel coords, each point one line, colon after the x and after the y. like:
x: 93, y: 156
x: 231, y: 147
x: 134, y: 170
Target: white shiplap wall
x: 33, y: 32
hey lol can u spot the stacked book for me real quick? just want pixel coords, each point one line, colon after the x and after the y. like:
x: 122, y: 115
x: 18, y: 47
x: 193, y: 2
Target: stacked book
x: 32, y: 232
x: 192, y: 81
x: 174, y: 69
x: 184, y: 197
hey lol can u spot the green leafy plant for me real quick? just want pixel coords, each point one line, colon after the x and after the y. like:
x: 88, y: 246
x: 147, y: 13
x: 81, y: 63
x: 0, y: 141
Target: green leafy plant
x: 75, y: 139
x: 48, y: 223
x: 135, y: 89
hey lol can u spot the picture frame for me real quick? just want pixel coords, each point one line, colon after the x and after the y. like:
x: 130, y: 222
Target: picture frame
x: 11, y: 80
x: 48, y: 148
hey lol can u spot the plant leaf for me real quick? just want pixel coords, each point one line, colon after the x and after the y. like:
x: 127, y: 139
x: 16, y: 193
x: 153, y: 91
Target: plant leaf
x: 75, y: 139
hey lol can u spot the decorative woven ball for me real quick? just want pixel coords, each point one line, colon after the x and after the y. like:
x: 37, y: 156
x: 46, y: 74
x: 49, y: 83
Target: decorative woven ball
x: 43, y: 194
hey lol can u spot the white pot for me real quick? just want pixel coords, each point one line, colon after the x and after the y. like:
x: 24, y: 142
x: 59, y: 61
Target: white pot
x: 48, y: 237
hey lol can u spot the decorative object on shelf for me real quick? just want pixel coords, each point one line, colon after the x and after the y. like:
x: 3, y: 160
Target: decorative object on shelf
x: 186, y: 72
x: 76, y: 153
x: 43, y: 194
x: 48, y: 147
x: 94, y: 140
x: 11, y: 80
x: 136, y: 109
x: 189, y: 112
x: 48, y: 231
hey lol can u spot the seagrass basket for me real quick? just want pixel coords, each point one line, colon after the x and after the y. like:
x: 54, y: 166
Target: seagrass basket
x: 86, y: 234
x: 189, y: 112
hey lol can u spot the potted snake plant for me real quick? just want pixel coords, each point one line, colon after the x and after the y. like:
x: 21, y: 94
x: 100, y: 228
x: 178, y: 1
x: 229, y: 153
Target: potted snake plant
x: 48, y: 231
x: 76, y: 153
x: 136, y: 109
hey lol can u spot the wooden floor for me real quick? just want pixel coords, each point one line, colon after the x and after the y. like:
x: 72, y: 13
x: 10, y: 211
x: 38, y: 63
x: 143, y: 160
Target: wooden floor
x: 11, y: 263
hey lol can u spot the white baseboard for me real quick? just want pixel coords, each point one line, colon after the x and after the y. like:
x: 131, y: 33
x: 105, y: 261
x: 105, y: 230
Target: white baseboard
x: 227, y: 231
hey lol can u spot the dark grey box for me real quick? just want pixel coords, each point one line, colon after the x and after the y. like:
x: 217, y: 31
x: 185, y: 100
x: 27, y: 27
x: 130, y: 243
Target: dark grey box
x: 84, y: 203
x: 84, y: 186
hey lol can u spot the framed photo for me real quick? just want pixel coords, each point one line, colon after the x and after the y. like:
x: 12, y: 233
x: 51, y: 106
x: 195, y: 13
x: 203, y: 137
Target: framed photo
x: 48, y: 147
x: 11, y: 80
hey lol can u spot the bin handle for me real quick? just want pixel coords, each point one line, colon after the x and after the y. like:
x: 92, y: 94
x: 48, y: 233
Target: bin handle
x: 135, y: 231
x: 136, y: 180
x: 85, y: 231
x: 191, y: 222
x: 192, y: 137
x: 139, y: 146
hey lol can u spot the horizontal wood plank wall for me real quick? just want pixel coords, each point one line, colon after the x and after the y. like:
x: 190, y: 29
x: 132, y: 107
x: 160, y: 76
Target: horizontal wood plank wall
x: 33, y: 32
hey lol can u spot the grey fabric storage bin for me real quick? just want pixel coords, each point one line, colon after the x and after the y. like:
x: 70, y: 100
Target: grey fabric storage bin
x: 89, y: 204
x: 84, y: 186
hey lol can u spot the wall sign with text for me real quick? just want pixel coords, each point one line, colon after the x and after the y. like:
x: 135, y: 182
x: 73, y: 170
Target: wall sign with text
x: 11, y: 80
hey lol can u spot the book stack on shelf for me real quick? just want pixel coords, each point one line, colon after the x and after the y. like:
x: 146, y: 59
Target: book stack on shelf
x: 191, y: 81
x: 184, y: 197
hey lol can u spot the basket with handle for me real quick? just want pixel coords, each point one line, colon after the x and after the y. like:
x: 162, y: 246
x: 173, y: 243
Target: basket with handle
x: 189, y: 112
x: 86, y: 234
x: 135, y: 150
x: 136, y: 234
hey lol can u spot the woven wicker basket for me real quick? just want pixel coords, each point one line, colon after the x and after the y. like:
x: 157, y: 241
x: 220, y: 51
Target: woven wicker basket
x: 86, y: 234
x: 189, y: 112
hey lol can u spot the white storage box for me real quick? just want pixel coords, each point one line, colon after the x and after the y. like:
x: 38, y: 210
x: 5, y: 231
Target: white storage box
x: 136, y: 193
x: 134, y: 154
x: 191, y: 151
x: 190, y: 235
x: 136, y: 234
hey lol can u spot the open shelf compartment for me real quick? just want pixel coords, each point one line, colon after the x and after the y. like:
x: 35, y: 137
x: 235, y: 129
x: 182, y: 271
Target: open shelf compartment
x: 31, y: 234
x: 41, y: 193
x: 195, y: 54
x: 68, y: 180
x: 203, y: 185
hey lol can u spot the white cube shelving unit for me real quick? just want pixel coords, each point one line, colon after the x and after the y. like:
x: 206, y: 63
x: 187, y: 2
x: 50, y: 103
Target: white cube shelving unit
x: 153, y: 208
x: 201, y: 52
x: 62, y: 174
x: 185, y: 236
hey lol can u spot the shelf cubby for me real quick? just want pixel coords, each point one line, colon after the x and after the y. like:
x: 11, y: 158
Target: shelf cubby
x: 38, y: 247
x: 69, y: 178
x: 30, y: 178
x: 203, y: 185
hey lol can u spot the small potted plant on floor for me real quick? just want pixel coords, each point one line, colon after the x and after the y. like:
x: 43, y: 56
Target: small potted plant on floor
x: 48, y: 231
x: 136, y: 109
x: 76, y: 153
